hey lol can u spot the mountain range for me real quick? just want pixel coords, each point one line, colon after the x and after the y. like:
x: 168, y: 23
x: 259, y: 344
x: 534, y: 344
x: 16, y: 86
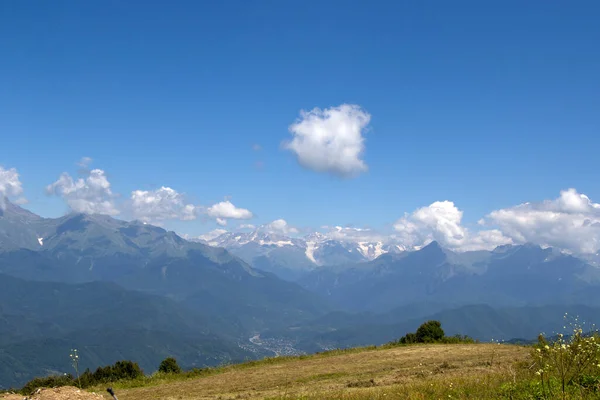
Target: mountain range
x: 292, y: 257
x: 117, y: 289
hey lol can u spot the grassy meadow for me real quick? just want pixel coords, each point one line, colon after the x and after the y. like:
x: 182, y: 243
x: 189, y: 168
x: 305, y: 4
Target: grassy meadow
x: 400, y: 372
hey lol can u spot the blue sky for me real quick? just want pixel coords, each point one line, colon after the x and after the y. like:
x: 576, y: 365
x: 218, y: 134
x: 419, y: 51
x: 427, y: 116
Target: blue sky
x: 485, y: 104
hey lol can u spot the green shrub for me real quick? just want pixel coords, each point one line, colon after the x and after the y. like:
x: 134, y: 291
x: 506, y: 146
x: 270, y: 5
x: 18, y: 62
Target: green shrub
x: 409, y: 338
x: 430, y: 332
x: 169, y: 366
x: 568, y: 364
x: 458, y: 339
x: 47, y: 382
x: 121, y: 370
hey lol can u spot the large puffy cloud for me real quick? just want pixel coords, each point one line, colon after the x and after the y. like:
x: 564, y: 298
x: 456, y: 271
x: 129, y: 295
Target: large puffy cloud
x: 571, y: 222
x: 441, y: 221
x: 161, y: 204
x: 225, y: 210
x: 10, y: 186
x: 330, y: 140
x: 90, y: 194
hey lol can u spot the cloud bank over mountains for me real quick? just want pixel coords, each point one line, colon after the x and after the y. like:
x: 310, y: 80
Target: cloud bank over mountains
x: 332, y: 141
x: 570, y: 222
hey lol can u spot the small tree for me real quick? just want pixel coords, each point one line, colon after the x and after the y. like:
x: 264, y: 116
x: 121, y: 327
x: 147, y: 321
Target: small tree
x: 169, y: 366
x: 430, y: 332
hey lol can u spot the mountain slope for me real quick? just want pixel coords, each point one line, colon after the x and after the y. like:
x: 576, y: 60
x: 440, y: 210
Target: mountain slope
x: 341, y: 330
x: 292, y: 257
x: 508, y: 276
x: 82, y: 248
x: 41, y: 321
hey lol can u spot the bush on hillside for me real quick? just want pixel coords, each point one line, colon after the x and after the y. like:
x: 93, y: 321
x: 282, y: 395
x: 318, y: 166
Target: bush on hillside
x: 46, y: 382
x: 169, y: 366
x: 121, y: 370
x: 432, y: 332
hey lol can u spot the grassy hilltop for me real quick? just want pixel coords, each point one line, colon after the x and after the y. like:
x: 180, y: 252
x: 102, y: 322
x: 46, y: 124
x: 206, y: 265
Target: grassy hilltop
x: 402, y: 372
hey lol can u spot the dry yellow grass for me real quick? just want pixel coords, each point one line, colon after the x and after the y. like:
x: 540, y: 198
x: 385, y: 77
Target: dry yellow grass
x: 411, y: 372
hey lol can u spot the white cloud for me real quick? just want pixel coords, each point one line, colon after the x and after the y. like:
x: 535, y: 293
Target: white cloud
x: 247, y: 226
x: 279, y: 226
x: 441, y: 221
x: 10, y: 186
x: 212, y: 234
x: 85, y: 162
x: 225, y: 210
x: 161, y: 204
x: 330, y: 140
x: 570, y: 222
x: 90, y: 195
x: 221, y: 221
x: 353, y: 234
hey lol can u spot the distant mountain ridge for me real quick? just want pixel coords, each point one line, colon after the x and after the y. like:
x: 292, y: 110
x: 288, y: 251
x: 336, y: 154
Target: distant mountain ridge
x: 507, y: 276
x: 290, y: 257
x: 80, y: 248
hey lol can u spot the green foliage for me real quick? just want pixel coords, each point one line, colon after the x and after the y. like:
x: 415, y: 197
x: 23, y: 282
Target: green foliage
x: 47, y: 382
x: 121, y: 370
x: 432, y: 332
x: 169, y: 366
x: 409, y: 338
x: 464, y: 339
x: 568, y: 364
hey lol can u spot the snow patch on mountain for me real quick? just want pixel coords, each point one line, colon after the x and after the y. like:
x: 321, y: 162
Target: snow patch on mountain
x: 310, y: 251
x: 318, y: 248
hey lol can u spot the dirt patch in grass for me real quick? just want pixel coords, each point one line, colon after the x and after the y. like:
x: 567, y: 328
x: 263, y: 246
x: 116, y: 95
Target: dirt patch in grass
x: 62, y: 393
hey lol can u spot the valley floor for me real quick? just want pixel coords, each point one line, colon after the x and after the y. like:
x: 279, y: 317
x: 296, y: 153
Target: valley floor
x: 411, y: 372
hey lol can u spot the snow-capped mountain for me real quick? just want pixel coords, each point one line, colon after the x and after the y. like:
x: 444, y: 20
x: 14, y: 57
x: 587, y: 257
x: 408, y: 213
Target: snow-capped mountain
x: 289, y: 257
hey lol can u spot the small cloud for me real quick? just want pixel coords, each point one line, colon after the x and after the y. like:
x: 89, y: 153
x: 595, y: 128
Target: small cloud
x: 221, y: 221
x: 256, y: 147
x: 280, y: 226
x: 330, y: 140
x: 226, y: 210
x: 21, y: 201
x: 85, y: 162
x: 212, y: 234
x: 161, y: 204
